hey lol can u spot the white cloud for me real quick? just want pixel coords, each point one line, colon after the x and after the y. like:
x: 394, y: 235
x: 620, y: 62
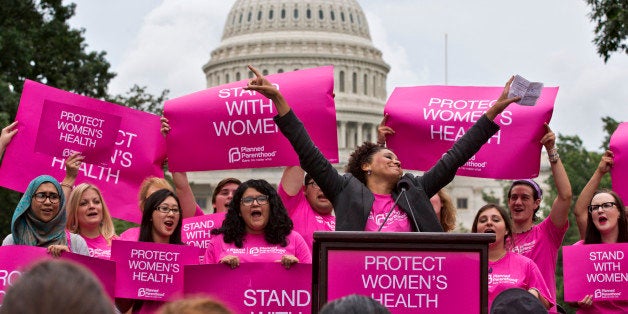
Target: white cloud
x: 171, y: 47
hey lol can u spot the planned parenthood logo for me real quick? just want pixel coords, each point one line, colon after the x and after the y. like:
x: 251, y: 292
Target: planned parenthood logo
x: 244, y: 154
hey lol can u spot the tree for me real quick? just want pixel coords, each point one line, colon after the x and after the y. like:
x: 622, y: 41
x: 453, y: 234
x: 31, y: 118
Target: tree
x: 610, y: 125
x: 580, y: 165
x: 138, y: 98
x: 611, y: 26
x: 37, y: 43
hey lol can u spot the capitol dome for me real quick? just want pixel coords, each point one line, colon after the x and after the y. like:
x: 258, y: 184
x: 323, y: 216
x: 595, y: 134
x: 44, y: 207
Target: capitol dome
x: 284, y: 35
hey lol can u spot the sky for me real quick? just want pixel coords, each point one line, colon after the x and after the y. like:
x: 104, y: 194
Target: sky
x: 162, y: 44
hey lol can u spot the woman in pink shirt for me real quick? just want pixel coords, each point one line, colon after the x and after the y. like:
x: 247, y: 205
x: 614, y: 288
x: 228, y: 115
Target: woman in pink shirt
x: 257, y: 228
x: 89, y: 217
x: 507, y: 269
x: 606, y: 224
x: 161, y: 223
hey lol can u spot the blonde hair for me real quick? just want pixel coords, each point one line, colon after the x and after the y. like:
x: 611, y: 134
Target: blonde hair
x: 447, y: 211
x: 159, y: 183
x: 106, y: 227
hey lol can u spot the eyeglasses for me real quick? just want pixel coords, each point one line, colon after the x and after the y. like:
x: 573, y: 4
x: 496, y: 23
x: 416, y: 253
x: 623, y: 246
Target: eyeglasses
x: 165, y: 209
x: 313, y: 184
x: 41, y: 197
x: 605, y: 206
x: 261, y: 200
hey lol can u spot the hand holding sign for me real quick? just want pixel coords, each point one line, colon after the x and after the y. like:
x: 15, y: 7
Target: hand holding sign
x: 383, y: 130
x: 7, y: 134
x: 231, y: 260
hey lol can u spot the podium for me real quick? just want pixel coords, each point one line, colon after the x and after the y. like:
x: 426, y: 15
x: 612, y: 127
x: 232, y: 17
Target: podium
x: 408, y: 272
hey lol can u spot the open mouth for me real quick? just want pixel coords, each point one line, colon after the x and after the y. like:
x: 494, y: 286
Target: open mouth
x: 602, y: 219
x: 169, y: 223
x: 489, y: 231
x: 256, y: 213
x: 92, y: 214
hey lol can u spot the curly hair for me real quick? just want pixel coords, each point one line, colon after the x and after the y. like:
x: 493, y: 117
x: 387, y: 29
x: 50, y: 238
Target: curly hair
x: 106, y: 228
x: 279, y: 223
x: 447, y: 211
x: 502, y: 212
x: 593, y: 236
x: 146, y: 228
x: 363, y: 154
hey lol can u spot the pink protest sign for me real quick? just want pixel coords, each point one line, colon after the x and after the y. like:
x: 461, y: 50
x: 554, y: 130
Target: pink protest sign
x: 227, y: 127
x: 64, y: 128
x: 104, y: 270
x: 139, y: 148
x: 408, y: 281
x: 619, y: 172
x: 247, y: 289
x: 429, y: 119
x: 600, y: 270
x: 150, y: 271
x: 14, y: 259
x: 196, y: 230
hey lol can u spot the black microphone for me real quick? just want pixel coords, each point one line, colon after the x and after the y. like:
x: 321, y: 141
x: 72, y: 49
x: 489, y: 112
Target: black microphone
x: 412, y: 213
x: 403, y: 189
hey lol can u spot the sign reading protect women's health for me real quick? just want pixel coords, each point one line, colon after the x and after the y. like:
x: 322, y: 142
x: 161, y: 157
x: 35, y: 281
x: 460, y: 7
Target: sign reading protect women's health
x: 619, y: 172
x: 600, y: 270
x: 254, y: 287
x: 14, y: 259
x: 228, y: 127
x: 151, y: 271
x: 122, y: 145
x: 429, y: 119
x: 407, y: 281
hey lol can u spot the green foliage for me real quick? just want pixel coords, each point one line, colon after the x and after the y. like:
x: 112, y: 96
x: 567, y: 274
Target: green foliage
x: 610, y: 125
x: 580, y: 164
x: 37, y: 43
x: 122, y: 225
x: 138, y: 98
x: 490, y: 198
x: 611, y: 26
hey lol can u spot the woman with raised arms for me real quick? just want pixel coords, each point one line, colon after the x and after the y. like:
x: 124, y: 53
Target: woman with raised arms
x: 375, y: 178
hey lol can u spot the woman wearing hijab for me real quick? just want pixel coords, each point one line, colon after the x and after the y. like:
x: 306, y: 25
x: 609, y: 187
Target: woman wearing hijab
x: 39, y: 219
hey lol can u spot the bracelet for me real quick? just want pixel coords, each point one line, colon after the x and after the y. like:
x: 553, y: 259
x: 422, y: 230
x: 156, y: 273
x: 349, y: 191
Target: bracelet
x: 67, y: 186
x: 553, y: 155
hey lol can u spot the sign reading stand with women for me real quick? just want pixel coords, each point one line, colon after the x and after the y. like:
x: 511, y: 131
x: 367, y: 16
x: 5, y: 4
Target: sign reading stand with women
x: 254, y: 287
x: 600, y: 270
x: 228, y: 127
x: 122, y: 146
x: 428, y: 120
x: 150, y: 271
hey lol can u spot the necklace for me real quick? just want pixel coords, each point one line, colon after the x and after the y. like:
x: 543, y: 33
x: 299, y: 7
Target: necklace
x: 525, y: 230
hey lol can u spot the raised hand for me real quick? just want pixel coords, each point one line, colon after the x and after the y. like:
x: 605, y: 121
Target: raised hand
x: 502, y: 102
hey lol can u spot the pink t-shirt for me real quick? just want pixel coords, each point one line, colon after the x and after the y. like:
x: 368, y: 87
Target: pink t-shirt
x: 305, y: 219
x: 255, y: 249
x: 397, y: 222
x: 603, y: 306
x: 131, y: 234
x: 98, y: 247
x: 541, y: 245
x: 514, y: 271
